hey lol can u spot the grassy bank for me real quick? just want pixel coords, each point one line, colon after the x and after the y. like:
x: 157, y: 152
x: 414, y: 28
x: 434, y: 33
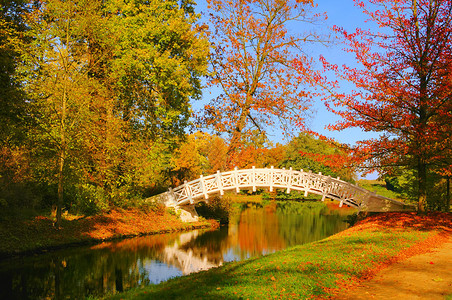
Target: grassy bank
x: 32, y: 232
x: 314, y: 270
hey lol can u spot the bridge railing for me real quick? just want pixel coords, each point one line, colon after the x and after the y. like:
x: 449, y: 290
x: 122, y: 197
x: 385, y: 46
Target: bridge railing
x: 326, y: 186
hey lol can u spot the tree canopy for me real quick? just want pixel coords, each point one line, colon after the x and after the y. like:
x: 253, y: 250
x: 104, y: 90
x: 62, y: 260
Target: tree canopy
x: 403, y: 86
x: 107, y: 86
x: 253, y: 59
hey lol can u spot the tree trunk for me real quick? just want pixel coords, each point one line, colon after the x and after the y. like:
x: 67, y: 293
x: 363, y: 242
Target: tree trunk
x: 61, y: 158
x: 448, y: 194
x: 236, y: 139
x: 119, y: 280
x: 60, y: 188
x: 422, y: 181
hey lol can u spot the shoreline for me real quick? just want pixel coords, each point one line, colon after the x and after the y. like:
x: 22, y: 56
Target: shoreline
x: 37, y: 235
x: 89, y: 242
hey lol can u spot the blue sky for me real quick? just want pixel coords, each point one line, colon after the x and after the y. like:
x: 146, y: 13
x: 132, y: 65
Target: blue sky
x: 342, y: 13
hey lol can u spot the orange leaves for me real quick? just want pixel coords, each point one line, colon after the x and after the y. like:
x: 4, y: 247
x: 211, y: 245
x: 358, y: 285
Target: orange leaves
x: 253, y: 66
x: 200, y: 154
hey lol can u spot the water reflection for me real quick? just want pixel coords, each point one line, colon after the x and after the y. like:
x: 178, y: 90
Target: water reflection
x: 117, y: 266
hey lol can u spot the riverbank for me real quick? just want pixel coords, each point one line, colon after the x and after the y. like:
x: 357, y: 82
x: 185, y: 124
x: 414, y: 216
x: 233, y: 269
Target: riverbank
x: 317, y: 270
x: 36, y: 233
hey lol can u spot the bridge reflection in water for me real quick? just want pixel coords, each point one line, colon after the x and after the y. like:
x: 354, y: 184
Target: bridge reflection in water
x: 116, y: 266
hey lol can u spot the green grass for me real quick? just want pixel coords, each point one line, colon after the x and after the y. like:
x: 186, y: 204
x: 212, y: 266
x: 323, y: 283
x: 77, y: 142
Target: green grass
x: 379, y: 187
x: 243, y: 198
x: 301, y: 272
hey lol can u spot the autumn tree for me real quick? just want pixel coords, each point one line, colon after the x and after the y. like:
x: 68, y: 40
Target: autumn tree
x: 200, y: 154
x: 107, y: 85
x: 216, y: 153
x: 256, y: 150
x: 14, y: 162
x: 252, y: 62
x: 403, y: 86
x: 54, y: 72
x: 12, y: 104
x: 188, y: 160
x: 151, y: 60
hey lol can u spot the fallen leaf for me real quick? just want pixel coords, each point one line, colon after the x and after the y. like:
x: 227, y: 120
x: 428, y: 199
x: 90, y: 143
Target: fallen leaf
x: 438, y: 279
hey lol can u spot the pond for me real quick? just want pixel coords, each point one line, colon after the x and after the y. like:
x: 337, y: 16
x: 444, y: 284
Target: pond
x: 110, y: 267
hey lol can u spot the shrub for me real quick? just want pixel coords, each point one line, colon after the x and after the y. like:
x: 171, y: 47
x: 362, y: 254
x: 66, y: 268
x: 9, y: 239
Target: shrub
x: 90, y: 199
x: 293, y: 195
x: 151, y: 206
x: 218, y: 208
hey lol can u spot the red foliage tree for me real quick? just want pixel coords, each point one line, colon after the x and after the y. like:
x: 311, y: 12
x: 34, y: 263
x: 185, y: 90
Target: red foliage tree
x: 253, y: 58
x: 403, y: 83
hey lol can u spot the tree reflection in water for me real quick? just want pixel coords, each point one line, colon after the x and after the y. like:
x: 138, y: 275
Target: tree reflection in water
x: 117, y: 266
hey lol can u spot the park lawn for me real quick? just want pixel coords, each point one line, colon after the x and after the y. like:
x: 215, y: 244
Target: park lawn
x: 379, y: 187
x: 315, y: 270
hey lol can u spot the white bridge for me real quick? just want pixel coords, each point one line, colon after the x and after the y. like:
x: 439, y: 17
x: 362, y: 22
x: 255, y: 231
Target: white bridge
x: 184, y: 197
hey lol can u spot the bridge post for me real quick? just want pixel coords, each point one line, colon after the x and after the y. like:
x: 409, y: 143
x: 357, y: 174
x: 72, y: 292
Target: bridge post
x: 219, y: 184
x: 270, y: 179
x: 289, y: 181
x: 253, y: 178
x: 326, y: 187
x: 307, y: 178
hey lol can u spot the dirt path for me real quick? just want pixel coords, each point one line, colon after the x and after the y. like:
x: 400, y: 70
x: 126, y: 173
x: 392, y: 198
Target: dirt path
x: 423, y: 276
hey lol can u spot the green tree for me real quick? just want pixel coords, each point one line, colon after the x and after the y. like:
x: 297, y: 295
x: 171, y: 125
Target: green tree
x: 12, y: 102
x: 14, y: 159
x: 302, y: 152
x: 58, y: 90
x: 160, y: 55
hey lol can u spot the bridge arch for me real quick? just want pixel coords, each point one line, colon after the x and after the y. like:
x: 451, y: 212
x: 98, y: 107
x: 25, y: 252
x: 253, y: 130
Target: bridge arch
x: 188, y: 194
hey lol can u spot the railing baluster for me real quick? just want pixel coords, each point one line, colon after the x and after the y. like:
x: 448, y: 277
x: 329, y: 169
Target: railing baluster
x: 188, y: 191
x: 236, y: 180
x: 203, y: 186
